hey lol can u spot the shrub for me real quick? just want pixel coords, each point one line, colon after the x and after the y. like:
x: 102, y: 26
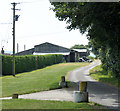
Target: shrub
x: 92, y: 58
x: 29, y: 62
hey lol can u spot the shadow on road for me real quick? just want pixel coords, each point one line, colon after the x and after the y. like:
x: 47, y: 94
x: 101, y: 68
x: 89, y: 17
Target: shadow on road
x: 103, y: 94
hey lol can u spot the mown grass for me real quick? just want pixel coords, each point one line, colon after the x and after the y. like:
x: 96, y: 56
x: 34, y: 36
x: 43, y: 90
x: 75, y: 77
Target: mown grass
x: 98, y: 74
x: 46, y: 104
x: 38, y: 80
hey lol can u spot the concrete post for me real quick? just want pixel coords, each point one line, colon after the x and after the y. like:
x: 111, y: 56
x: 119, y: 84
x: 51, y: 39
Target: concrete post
x: 63, y: 83
x: 15, y: 96
x: 82, y: 94
x: 63, y: 79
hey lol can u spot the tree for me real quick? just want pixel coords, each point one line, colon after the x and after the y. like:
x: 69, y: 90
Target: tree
x: 102, y: 22
x: 77, y: 46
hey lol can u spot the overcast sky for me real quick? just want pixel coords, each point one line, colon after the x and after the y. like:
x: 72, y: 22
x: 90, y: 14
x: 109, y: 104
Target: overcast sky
x: 37, y: 24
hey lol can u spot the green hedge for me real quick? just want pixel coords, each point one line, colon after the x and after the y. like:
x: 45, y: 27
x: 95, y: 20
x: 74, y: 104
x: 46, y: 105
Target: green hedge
x: 29, y: 62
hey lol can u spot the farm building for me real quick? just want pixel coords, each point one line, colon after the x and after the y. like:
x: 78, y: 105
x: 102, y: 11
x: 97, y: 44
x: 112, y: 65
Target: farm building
x: 48, y: 48
x: 81, y: 52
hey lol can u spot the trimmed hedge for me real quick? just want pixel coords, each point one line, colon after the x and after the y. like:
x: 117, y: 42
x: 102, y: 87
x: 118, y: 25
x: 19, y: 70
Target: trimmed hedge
x: 29, y: 62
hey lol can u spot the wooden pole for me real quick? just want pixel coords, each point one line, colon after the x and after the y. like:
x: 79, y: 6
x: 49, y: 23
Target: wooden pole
x: 15, y: 96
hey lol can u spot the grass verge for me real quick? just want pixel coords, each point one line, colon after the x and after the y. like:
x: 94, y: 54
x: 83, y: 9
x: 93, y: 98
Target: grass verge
x: 98, y: 74
x: 46, y: 104
x: 38, y: 80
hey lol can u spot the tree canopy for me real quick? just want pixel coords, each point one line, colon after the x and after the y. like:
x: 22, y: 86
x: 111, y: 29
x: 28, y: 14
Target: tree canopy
x: 77, y: 46
x: 102, y: 23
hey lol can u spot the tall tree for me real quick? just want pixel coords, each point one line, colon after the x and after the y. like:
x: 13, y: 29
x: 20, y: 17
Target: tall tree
x: 102, y: 22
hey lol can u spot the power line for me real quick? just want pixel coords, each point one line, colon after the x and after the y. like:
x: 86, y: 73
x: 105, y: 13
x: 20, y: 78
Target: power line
x: 5, y: 23
x: 44, y: 34
x: 32, y: 1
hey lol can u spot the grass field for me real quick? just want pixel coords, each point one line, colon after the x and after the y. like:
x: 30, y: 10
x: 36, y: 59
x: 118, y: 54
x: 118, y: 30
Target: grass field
x: 98, y: 74
x: 45, y: 104
x: 38, y: 80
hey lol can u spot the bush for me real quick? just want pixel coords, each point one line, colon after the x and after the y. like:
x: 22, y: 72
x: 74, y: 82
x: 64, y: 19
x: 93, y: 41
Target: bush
x: 91, y: 58
x: 29, y: 62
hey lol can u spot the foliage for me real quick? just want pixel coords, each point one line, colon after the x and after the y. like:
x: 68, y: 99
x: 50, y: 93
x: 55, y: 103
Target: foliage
x: 77, y: 46
x: 94, y: 48
x: 91, y: 58
x: 101, y: 22
x: 38, y: 80
x: 99, y: 74
x: 6, y: 64
x: 29, y: 62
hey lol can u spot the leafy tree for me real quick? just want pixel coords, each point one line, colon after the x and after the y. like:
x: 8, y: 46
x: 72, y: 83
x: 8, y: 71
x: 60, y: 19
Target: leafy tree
x: 102, y: 22
x: 77, y: 46
x: 94, y: 47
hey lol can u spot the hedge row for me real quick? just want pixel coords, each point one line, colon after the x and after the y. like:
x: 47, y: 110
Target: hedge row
x: 29, y: 62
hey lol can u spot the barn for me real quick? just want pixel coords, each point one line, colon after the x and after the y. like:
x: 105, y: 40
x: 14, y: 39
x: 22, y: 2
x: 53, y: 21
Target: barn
x: 49, y: 48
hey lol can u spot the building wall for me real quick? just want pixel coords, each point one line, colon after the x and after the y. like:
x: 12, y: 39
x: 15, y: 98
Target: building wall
x: 26, y: 52
x: 76, y: 56
x: 72, y: 56
x: 50, y: 48
x: 81, y: 54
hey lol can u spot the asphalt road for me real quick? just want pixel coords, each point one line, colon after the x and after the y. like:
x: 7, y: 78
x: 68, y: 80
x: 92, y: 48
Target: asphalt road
x: 98, y: 92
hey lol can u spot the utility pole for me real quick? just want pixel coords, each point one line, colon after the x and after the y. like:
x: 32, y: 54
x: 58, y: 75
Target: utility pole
x: 17, y: 47
x: 24, y: 47
x: 15, y: 18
